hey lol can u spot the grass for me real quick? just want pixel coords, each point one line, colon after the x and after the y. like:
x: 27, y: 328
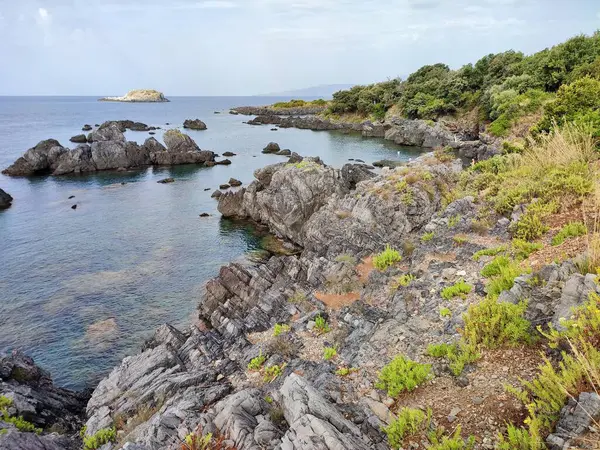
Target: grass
x: 386, y: 258
x: 522, y: 249
x: 453, y: 221
x: 572, y: 229
x: 401, y: 375
x: 458, y: 289
x: 427, y: 237
x: 304, y: 165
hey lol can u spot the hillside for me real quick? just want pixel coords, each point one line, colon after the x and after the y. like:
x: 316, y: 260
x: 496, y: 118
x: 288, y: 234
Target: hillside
x: 321, y: 91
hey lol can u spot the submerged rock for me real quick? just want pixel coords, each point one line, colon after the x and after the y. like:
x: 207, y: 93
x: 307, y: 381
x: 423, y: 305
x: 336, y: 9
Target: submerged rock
x: 5, y: 199
x: 166, y: 180
x: 87, y: 127
x: 194, y: 124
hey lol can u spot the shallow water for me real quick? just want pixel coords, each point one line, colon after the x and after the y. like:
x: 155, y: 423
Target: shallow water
x: 80, y: 289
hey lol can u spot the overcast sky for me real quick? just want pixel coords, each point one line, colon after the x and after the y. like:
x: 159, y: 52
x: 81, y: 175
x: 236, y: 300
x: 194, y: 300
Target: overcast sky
x: 239, y: 47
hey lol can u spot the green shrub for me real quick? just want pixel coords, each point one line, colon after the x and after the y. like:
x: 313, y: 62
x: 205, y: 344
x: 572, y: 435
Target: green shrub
x: 572, y: 229
x: 402, y: 374
x: 280, y: 328
x: 445, y: 312
x: 321, y: 325
x: 458, y: 355
x: 345, y: 371
x: 408, y: 423
x: 386, y: 258
x: 20, y: 423
x: 530, y: 226
x: 520, y: 439
x: 427, y: 237
x: 488, y: 252
x: 458, y: 289
x: 505, y: 279
x: 452, y: 442
x: 271, y: 373
x: 453, y: 221
x: 494, y: 267
x: 329, y: 353
x: 403, y: 280
x: 257, y: 363
x: 103, y: 436
x: 5, y: 402
x: 492, y: 324
x: 522, y: 249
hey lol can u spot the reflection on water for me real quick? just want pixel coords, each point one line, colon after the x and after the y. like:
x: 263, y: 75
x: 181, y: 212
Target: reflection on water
x: 81, y: 289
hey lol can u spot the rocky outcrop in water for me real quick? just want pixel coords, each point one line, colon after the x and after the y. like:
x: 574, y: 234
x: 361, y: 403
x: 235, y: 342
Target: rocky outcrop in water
x: 5, y: 199
x: 194, y: 124
x: 33, y: 396
x: 109, y: 150
x: 138, y: 96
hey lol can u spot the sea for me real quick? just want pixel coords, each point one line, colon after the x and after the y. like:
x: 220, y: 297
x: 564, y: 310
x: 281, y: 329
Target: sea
x: 82, y: 288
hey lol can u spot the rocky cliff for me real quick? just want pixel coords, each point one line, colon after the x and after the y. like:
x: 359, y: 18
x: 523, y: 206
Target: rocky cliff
x: 138, y: 96
x: 5, y: 199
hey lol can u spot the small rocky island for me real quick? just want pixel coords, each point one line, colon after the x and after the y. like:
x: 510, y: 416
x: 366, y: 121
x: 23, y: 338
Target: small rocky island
x: 139, y: 96
x: 5, y: 199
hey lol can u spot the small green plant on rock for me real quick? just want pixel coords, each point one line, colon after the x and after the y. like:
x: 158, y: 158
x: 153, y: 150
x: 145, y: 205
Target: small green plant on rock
x: 520, y: 439
x: 505, y: 279
x: 386, y: 258
x: 280, y: 329
x: 329, y: 353
x: 403, y: 281
x: 458, y: 289
x: 256, y: 363
x: 488, y: 252
x: 271, y: 373
x: 427, y: 236
x: 572, y: 229
x: 445, y: 312
x: 494, y: 267
x: 409, y: 423
x: 19, y: 423
x: 321, y: 325
x: 402, y: 374
x: 458, y: 355
x: 453, y: 221
x: 345, y: 371
x: 522, y: 249
x: 101, y: 437
x: 452, y: 442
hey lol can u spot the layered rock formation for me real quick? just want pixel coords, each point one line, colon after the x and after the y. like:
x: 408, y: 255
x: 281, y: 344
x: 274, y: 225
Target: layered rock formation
x: 33, y: 397
x: 194, y: 124
x: 109, y: 150
x: 5, y: 199
x: 138, y: 96
x: 270, y: 110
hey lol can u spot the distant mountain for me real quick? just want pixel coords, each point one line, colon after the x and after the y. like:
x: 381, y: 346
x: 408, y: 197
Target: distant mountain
x: 325, y: 90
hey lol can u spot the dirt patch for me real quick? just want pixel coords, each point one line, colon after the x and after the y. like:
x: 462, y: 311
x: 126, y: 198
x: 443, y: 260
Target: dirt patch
x: 483, y: 405
x: 571, y: 248
x: 364, y: 269
x: 337, y: 301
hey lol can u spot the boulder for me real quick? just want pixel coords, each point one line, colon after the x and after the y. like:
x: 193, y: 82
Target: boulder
x: 576, y: 418
x: 181, y: 149
x: 231, y: 204
x: 284, y: 152
x: 388, y: 163
x: 216, y: 194
x: 41, y: 159
x: 272, y: 147
x: 76, y: 161
x: 234, y: 182
x: 87, y: 127
x: 79, y: 139
x: 5, y: 199
x: 224, y: 186
x: 228, y: 154
x: 166, y: 180
x: 194, y: 124
x: 111, y: 131
x: 223, y: 162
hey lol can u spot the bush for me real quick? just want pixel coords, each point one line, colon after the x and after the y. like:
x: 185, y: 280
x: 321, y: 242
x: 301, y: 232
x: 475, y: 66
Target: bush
x: 103, y: 436
x: 402, y: 374
x: 403, y: 280
x: 530, y: 226
x: 329, y: 353
x: 495, y: 266
x: 386, y: 258
x: 488, y: 252
x: 505, y: 280
x: 321, y: 325
x: 492, y: 324
x: 409, y: 422
x: 256, y: 363
x: 572, y: 229
x: 280, y: 328
x: 458, y: 289
x: 458, y: 355
x: 520, y: 439
x: 522, y: 249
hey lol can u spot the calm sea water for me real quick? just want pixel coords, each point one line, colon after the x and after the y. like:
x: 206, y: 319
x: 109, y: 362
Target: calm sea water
x: 81, y: 289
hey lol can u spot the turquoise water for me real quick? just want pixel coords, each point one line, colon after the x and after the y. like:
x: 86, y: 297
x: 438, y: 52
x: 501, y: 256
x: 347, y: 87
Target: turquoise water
x: 80, y: 289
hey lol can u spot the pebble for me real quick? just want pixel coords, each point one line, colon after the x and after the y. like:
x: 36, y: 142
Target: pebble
x: 310, y: 325
x: 477, y: 400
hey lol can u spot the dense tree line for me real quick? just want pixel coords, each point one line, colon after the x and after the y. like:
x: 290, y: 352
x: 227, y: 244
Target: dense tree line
x: 562, y: 81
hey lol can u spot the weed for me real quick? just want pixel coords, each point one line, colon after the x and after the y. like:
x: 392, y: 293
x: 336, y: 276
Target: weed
x: 460, y: 239
x: 458, y: 355
x: 495, y: 267
x: 271, y: 373
x: 386, y: 258
x: 408, y: 248
x: 321, y: 325
x: 403, y: 281
x: 445, y: 312
x: 256, y: 363
x: 489, y: 252
x: 409, y: 422
x: 345, y: 371
x: 101, y: 437
x: 20, y: 423
x: 504, y: 280
x: 458, y: 289
x: 427, y: 236
x: 402, y: 374
x: 329, y: 353
x: 522, y: 249
x: 280, y: 328
x: 453, y: 221
x: 452, y: 442
x: 520, y: 439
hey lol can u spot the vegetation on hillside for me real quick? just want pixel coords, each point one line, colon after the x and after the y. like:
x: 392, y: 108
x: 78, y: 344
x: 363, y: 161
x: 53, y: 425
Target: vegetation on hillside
x: 556, y: 85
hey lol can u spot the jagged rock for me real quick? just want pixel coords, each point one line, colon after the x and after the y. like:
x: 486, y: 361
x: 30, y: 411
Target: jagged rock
x: 5, y: 199
x: 194, y: 124
x: 79, y: 139
x: 87, y: 127
x: 216, y: 194
x: 234, y: 182
x: 108, y: 131
x: 353, y: 174
x: 16, y: 440
x: 181, y: 149
x: 388, y: 163
x: 284, y: 152
x: 35, y: 397
x: 575, y: 419
x: 231, y: 203
x: 272, y: 147
x: 315, y: 424
x: 40, y: 159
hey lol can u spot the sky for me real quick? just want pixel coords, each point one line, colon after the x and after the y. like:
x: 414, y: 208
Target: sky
x: 248, y: 47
